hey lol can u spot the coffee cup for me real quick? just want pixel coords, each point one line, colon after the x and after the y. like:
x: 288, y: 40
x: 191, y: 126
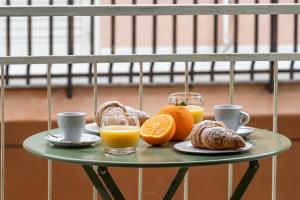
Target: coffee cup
x: 72, y: 124
x: 231, y: 115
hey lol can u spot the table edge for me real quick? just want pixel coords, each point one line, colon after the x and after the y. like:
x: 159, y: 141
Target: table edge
x: 155, y: 165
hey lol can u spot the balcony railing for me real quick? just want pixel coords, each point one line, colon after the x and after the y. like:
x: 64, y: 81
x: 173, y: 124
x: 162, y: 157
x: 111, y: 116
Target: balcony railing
x: 222, y: 41
x: 154, y: 10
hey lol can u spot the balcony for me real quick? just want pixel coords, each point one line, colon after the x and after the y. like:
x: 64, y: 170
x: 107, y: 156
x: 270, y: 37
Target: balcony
x: 139, y: 59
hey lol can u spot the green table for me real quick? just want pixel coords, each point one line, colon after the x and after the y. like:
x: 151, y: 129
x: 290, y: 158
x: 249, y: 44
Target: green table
x: 265, y: 143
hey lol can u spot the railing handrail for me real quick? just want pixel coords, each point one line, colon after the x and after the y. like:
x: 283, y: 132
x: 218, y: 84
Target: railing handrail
x: 149, y: 10
x: 70, y: 59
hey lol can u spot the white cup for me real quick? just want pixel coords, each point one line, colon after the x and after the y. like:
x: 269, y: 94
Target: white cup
x: 231, y: 115
x: 72, y: 124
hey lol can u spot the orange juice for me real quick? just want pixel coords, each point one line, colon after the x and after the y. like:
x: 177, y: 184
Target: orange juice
x: 197, y: 112
x: 120, y: 136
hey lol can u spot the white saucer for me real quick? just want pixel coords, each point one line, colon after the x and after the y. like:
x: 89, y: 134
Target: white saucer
x: 245, y: 131
x: 187, y: 147
x: 92, y: 128
x: 86, y: 140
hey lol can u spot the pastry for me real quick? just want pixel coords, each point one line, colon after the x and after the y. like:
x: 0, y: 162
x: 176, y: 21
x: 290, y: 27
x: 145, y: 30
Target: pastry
x: 143, y: 116
x: 116, y: 108
x: 110, y: 108
x: 215, y: 135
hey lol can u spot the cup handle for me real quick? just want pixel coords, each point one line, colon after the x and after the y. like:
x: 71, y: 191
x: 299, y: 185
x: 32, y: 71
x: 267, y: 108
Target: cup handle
x: 244, y: 118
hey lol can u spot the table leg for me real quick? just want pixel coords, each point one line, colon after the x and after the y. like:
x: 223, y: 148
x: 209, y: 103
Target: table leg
x: 245, y: 181
x: 116, y: 193
x: 96, y: 182
x: 175, y: 183
x: 110, y: 183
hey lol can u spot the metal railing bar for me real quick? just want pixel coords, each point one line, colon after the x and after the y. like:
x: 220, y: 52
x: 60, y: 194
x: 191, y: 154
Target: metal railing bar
x: 235, y: 31
x: 95, y: 98
x: 195, y: 40
x: 154, y: 41
x: 49, y: 109
x: 186, y: 78
x: 112, y: 41
x: 133, y: 42
x: 121, y: 85
x: 49, y: 164
x: 256, y: 37
x: 231, y: 92
x: 70, y: 29
x: 215, y: 43
x: 273, y: 44
x: 141, y: 100
x: 275, y: 126
x: 50, y: 31
x: 8, y: 42
x: 186, y: 89
x: 70, y: 59
x: 295, y: 42
x: 95, y: 83
x: 29, y: 44
x: 178, y: 73
x: 150, y: 10
x: 2, y: 195
x: 231, y: 101
x: 92, y: 40
x: 174, y: 42
x: 231, y: 83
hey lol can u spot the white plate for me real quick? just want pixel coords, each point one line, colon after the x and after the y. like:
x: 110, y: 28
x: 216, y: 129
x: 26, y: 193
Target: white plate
x: 187, y: 147
x: 92, y: 128
x: 58, y: 140
x: 245, y: 131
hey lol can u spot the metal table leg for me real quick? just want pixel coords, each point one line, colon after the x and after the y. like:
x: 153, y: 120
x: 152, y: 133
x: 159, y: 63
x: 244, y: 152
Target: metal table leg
x: 105, y: 179
x: 245, y: 181
x: 175, y: 183
x: 110, y: 183
x: 96, y: 182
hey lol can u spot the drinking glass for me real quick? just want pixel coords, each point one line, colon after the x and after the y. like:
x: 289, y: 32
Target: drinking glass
x: 192, y: 101
x: 120, y: 134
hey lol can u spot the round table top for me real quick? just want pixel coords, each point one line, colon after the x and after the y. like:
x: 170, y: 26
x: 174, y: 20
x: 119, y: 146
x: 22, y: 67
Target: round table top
x: 265, y: 144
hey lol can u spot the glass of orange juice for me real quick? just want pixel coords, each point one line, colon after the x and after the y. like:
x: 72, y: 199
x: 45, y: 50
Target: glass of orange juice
x: 120, y: 134
x: 192, y: 101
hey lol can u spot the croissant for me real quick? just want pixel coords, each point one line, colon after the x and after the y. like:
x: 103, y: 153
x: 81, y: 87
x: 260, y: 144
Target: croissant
x: 116, y: 108
x: 215, y: 135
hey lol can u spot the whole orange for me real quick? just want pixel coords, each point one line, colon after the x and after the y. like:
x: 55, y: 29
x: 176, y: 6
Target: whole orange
x: 183, y: 119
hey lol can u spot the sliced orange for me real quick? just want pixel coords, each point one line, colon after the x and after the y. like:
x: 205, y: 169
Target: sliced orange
x: 159, y: 129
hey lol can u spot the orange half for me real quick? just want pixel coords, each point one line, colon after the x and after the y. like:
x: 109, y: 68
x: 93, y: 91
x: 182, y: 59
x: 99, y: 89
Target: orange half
x: 159, y: 129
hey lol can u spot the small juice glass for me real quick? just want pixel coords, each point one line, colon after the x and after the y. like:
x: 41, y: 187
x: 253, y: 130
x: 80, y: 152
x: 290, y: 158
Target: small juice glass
x: 119, y: 134
x: 192, y: 101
